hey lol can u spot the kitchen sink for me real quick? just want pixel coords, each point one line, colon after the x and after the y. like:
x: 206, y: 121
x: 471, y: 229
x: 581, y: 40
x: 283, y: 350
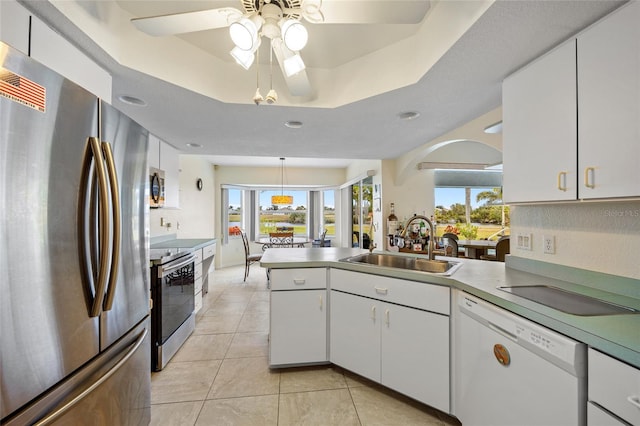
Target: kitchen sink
x: 568, y: 301
x: 441, y: 267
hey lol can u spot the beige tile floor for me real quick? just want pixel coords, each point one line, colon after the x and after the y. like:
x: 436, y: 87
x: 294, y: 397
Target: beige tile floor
x: 221, y: 376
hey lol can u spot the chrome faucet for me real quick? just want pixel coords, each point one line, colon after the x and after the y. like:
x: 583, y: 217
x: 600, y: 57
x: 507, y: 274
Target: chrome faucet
x: 430, y: 247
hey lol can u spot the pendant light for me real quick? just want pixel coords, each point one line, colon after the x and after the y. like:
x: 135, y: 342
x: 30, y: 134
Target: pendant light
x: 279, y: 200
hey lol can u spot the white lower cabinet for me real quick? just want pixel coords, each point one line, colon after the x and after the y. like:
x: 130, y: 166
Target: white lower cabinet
x: 401, y: 347
x: 298, y: 327
x: 298, y: 317
x: 355, y: 334
x: 614, y: 391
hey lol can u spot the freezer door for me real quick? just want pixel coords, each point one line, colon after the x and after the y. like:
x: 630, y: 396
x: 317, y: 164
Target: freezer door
x: 127, y: 298
x: 113, y: 389
x: 45, y: 329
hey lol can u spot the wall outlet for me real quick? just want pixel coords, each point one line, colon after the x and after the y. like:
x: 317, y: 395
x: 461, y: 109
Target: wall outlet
x: 523, y: 241
x: 549, y: 244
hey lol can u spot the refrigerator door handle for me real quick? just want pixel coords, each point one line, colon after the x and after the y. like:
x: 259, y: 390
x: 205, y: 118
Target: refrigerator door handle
x: 66, y: 407
x: 116, y: 225
x: 93, y: 156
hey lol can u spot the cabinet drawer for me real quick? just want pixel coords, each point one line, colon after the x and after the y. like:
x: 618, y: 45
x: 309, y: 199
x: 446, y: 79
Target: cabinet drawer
x: 208, y: 251
x: 596, y: 416
x: 198, y: 254
x: 298, y: 279
x: 415, y: 294
x: 615, y: 386
x: 198, y: 271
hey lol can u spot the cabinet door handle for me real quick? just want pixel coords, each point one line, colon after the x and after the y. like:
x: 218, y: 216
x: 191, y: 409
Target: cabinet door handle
x: 321, y: 302
x: 299, y: 281
x: 373, y: 313
x: 589, y: 172
x: 562, y: 181
x: 635, y: 400
x: 386, y: 317
x: 381, y: 290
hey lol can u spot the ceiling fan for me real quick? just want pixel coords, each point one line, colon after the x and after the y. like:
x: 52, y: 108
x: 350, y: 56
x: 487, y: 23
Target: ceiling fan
x: 280, y: 22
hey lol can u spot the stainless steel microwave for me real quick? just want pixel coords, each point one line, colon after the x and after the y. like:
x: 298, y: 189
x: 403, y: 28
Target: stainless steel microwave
x: 156, y: 188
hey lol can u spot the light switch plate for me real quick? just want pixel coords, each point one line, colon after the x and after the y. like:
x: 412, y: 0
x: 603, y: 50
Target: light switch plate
x: 523, y: 241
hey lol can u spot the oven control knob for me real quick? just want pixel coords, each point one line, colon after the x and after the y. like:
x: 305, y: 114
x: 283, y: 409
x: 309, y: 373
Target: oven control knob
x: 502, y: 354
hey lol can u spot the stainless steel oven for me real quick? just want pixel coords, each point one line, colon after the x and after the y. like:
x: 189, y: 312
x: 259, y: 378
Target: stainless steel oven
x: 172, y: 316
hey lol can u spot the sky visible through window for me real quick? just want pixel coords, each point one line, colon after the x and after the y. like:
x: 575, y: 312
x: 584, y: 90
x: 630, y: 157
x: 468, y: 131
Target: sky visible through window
x: 447, y: 196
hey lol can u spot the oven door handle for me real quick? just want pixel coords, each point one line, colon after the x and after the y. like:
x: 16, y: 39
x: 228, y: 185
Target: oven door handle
x: 172, y: 268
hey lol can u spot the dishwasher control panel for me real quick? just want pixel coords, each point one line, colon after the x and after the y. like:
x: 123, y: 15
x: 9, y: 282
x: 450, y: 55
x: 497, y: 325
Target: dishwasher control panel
x: 555, y: 347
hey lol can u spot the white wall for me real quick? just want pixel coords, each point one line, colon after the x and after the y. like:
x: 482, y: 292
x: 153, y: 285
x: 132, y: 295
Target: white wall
x: 196, y: 216
x: 596, y: 236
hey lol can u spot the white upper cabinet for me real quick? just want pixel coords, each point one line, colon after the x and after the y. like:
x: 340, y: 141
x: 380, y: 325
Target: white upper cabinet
x: 540, y: 129
x: 52, y: 50
x: 14, y: 25
x: 170, y: 163
x: 609, y: 106
x: 571, y: 119
x: 165, y: 157
x: 27, y: 33
x: 153, y: 154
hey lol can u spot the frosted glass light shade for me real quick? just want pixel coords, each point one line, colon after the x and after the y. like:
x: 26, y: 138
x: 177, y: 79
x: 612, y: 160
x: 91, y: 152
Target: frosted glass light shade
x: 243, y: 57
x: 244, y: 33
x: 294, y: 34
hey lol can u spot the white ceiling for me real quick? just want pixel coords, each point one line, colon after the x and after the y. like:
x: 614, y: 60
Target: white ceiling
x: 463, y: 84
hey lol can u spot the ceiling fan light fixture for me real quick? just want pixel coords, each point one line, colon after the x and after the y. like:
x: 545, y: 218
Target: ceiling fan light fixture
x: 244, y: 58
x: 294, y: 34
x: 293, y: 65
x: 244, y: 32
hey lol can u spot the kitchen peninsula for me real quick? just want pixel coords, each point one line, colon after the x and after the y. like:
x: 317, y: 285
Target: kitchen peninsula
x: 327, y: 310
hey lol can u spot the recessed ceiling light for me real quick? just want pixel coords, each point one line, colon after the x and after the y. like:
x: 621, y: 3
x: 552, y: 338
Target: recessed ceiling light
x: 293, y: 124
x: 131, y: 100
x: 194, y: 145
x: 408, y: 115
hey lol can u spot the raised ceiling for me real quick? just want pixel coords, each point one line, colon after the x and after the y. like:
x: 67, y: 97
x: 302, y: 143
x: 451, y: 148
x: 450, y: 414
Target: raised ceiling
x: 361, y: 74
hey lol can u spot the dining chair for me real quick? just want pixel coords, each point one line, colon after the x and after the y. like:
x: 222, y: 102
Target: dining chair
x: 249, y: 259
x: 502, y: 249
x: 280, y: 239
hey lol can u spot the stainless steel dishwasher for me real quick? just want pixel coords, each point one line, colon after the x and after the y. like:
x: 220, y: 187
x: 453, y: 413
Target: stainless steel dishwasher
x: 512, y: 371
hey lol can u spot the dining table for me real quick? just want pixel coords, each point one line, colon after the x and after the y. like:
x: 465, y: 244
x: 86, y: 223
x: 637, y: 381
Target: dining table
x: 297, y: 242
x: 473, y: 249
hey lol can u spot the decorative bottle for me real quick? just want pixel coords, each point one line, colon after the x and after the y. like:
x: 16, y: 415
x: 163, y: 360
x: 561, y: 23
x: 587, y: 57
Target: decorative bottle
x: 392, y: 221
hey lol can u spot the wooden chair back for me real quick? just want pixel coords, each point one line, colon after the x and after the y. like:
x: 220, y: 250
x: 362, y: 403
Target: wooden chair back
x: 281, y: 239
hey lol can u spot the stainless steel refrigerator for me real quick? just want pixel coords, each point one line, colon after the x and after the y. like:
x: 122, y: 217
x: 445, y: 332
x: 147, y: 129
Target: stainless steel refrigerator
x: 74, y: 262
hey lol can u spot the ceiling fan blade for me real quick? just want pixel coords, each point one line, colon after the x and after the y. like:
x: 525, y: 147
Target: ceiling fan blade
x: 179, y: 23
x: 374, y: 11
x: 298, y: 83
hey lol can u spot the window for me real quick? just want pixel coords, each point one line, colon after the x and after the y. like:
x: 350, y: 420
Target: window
x: 329, y: 212
x: 273, y: 218
x: 362, y: 212
x: 232, y: 222
x: 474, y: 213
